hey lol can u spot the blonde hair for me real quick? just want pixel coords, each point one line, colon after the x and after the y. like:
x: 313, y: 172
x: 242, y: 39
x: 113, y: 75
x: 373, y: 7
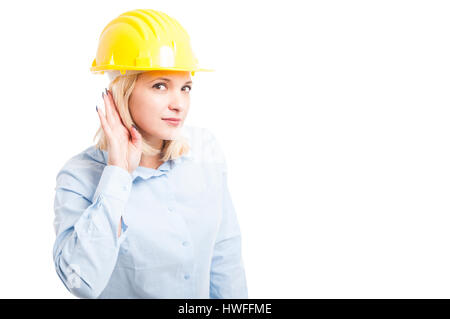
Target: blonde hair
x: 121, y: 88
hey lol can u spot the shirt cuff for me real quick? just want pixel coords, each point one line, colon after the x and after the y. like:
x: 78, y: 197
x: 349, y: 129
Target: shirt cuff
x: 116, y: 182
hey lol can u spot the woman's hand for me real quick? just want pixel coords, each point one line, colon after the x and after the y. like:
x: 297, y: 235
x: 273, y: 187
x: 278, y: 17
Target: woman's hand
x: 124, y: 145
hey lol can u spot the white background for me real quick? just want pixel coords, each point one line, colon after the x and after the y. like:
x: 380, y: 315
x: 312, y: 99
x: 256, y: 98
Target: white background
x: 333, y: 116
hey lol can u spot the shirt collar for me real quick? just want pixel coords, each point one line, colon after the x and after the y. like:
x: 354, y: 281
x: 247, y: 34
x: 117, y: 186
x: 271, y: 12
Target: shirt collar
x: 147, y: 172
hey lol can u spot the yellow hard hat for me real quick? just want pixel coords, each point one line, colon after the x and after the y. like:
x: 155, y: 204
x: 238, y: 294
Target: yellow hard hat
x: 144, y: 39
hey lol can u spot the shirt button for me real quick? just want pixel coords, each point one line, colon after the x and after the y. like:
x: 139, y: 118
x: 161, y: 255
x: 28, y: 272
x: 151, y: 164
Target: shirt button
x: 186, y: 277
x: 185, y: 243
x: 170, y: 209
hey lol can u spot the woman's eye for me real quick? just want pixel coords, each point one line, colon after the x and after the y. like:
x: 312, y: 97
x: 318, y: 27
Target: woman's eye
x: 158, y: 84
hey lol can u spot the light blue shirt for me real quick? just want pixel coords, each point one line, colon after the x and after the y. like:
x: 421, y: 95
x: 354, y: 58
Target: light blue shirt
x: 180, y: 234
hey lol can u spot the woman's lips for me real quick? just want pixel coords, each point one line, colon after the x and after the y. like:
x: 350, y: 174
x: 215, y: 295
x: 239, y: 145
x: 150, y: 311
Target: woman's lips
x: 172, y: 122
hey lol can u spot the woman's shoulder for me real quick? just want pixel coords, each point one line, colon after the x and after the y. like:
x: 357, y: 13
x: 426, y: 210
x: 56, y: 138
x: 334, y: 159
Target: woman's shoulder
x: 83, y: 170
x: 204, y: 145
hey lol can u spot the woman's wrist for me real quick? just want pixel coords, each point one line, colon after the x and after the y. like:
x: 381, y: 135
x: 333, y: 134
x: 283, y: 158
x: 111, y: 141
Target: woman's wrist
x: 125, y: 167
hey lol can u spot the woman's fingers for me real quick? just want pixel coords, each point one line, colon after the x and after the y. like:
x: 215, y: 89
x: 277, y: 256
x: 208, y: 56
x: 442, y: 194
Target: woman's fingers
x: 104, y: 122
x: 113, y: 119
x: 107, y: 108
x: 113, y: 108
x: 136, y: 137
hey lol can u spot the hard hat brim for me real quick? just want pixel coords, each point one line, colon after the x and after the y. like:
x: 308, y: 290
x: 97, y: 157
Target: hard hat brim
x: 101, y: 69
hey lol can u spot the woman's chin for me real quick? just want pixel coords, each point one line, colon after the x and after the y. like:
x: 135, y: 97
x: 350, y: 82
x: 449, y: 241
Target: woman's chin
x: 172, y: 133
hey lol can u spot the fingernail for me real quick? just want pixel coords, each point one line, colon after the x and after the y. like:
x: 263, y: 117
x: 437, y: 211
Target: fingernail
x: 96, y: 108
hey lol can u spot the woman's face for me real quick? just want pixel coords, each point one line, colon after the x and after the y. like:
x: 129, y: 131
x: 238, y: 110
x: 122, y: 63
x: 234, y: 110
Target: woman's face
x: 158, y: 95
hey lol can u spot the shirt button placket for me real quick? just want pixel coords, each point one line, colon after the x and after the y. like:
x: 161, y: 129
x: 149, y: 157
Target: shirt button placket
x: 171, y: 198
x: 170, y: 208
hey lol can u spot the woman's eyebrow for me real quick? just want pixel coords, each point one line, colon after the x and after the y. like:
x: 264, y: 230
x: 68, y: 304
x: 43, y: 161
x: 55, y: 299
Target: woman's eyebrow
x: 166, y: 79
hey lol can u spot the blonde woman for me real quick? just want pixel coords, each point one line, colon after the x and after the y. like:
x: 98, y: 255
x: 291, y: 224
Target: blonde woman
x: 146, y: 211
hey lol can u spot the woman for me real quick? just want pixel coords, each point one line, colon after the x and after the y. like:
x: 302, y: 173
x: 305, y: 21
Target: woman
x: 146, y: 212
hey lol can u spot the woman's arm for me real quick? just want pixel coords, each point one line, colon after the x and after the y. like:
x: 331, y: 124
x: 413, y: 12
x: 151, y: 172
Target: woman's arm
x: 88, y: 233
x: 228, y: 278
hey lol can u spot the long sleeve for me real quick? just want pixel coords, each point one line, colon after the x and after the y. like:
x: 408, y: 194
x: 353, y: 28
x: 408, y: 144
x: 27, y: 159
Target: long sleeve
x: 227, y: 278
x: 87, y: 242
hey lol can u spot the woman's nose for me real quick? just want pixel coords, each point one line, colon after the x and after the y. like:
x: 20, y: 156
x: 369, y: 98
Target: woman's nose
x: 175, y: 107
x: 177, y: 102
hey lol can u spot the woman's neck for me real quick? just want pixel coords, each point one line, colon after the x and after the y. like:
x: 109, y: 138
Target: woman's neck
x: 151, y: 161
